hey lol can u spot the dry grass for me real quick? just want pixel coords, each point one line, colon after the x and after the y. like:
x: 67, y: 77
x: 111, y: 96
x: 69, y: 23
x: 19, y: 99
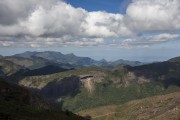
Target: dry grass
x: 163, y: 107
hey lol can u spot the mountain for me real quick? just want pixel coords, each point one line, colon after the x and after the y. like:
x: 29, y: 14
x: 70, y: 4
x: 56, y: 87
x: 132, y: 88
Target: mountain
x: 163, y: 107
x: 61, y: 87
x: 166, y: 72
x: 25, y: 72
x: 75, y: 60
x: 12, y: 71
x: 34, y: 62
x: 8, y: 67
x: 96, y: 86
x: 49, y: 69
x: 18, y: 103
x: 87, y: 87
x: 125, y: 62
x: 59, y: 57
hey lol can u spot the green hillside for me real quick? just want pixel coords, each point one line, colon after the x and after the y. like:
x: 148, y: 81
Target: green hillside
x: 8, y: 67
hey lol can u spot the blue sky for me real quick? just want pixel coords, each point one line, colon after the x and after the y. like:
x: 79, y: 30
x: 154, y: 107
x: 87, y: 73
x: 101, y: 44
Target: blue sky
x: 111, y: 6
x: 143, y: 30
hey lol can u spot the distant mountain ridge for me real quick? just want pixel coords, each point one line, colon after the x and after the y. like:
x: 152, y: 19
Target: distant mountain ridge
x: 74, y: 60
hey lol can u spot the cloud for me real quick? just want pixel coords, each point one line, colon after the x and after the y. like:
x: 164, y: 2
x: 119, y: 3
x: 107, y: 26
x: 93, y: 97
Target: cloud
x: 104, y: 24
x: 153, y: 15
x: 12, y: 11
x: 55, y: 23
x: 61, y: 19
x: 146, y: 41
x: 35, y: 42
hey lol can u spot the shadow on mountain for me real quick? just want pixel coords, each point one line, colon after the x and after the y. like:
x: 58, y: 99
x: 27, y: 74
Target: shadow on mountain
x: 170, y: 82
x: 50, y: 69
x: 22, y: 73
x: 61, y: 87
x: 168, y: 73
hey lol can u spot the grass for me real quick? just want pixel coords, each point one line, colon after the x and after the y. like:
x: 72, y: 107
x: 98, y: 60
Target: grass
x: 163, y: 107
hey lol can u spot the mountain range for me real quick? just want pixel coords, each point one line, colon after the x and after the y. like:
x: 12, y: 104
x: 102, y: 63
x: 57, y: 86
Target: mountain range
x: 84, y: 87
x: 74, y: 60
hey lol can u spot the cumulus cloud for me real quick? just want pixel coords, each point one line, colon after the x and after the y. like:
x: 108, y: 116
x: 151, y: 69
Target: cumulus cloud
x: 61, y: 19
x: 153, y: 15
x: 13, y: 11
x: 54, y: 23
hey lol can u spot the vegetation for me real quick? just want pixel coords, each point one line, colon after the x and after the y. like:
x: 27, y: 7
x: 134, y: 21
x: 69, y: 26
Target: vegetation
x: 8, y: 67
x: 105, y: 95
x: 113, y: 89
x: 76, y: 91
x: 163, y: 107
x: 45, y: 79
x: 17, y: 103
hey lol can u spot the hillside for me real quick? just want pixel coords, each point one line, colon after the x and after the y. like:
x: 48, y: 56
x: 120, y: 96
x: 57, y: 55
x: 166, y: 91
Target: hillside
x: 8, y: 67
x: 163, y: 107
x: 17, y: 103
x: 96, y: 86
x: 166, y: 72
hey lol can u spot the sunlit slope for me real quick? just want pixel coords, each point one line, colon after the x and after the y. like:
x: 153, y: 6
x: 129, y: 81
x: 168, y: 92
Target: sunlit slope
x: 163, y: 107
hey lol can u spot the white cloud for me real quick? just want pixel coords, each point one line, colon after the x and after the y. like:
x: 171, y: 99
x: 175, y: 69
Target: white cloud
x: 153, y: 15
x: 146, y: 41
x: 61, y: 19
x: 105, y: 25
x: 54, y: 23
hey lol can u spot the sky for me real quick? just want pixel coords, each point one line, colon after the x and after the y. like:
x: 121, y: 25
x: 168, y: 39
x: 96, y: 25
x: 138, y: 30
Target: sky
x: 143, y: 30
